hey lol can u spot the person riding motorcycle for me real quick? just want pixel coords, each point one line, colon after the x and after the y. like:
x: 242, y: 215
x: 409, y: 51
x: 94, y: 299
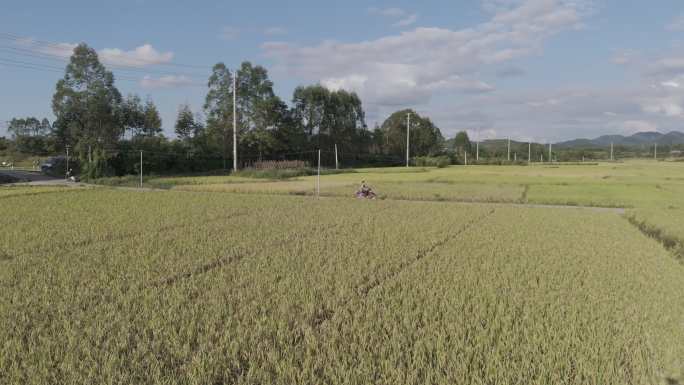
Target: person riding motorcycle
x: 365, y: 191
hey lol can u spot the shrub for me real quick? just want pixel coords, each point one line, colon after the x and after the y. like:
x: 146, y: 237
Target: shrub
x: 432, y: 161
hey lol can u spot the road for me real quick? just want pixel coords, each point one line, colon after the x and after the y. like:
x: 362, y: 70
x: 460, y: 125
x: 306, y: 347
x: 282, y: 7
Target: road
x: 30, y: 177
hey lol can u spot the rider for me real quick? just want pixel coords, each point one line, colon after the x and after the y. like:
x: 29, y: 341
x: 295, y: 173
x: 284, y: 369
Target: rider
x: 365, y: 189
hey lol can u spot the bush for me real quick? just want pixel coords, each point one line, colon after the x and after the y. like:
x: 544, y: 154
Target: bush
x: 432, y: 161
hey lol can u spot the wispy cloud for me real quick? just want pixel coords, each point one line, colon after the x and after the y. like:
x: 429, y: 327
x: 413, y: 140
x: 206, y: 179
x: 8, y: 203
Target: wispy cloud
x: 408, y: 21
x: 275, y: 31
x: 403, y: 18
x: 387, y: 12
x: 677, y: 24
x: 510, y: 72
x: 142, y: 56
x: 229, y: 33
x: 170, y: 81
x: 408, y: 68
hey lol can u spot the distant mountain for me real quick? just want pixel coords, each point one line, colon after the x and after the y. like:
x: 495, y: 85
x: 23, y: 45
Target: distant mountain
x: 639, y: 139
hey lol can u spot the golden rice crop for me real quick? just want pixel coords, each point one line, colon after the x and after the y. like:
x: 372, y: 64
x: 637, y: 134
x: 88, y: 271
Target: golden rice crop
x: 103, y: 286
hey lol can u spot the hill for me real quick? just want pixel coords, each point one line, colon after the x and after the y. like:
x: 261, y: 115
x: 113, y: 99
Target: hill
x: 638, y: 139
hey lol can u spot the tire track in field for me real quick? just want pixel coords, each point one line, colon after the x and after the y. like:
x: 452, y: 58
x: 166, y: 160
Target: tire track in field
x: 362, y: 291
x: 114, y: 237
x: 220, y: 262
x: 34, y: 193
x: 673, y: 245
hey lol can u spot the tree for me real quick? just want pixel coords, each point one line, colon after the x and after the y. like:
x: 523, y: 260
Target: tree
x: 218, y: 106
x: 461, y: 143
x: 329, y: 117
x: 255, y: 96
x: 259, y: 110
x: 24, y: 127
x: 426, y: 138
x: 309, y: 104
x: 152, y: 123
x: 132, y: 114
x: 30, y: 135
x: 185, y: 127
x: 86, y: 103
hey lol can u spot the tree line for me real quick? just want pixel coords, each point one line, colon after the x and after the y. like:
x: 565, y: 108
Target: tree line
x: 106, y: 130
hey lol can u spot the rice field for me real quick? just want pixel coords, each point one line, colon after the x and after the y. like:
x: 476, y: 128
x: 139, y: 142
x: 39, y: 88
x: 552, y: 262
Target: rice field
x: 221, y: 286
x: 631, y: 184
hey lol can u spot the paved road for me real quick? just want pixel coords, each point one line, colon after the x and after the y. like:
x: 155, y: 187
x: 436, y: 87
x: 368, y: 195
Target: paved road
x: 30, y: 177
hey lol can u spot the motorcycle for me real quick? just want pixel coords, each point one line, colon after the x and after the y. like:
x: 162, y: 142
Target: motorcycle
x: 366, y: 194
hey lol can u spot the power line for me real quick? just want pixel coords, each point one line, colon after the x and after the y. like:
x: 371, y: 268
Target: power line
x: 47, y: 68
x: 30, y: 41
x: 118, y: 67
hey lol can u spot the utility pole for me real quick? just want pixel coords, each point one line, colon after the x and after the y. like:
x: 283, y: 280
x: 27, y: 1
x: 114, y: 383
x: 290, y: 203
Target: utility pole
x: 655, y: 152
x: 529, y: 152
x: 337, y: 165
x: 611, y: 152
x: 66, y: 175
x: 477, y: 150
x: 235, y: 162
x: 550, y: 152
x: 408, y: 135
x: 515, y: 156
x: 141, y: 169
x: 509, y: 149
x: 465, y: 155
x: 318, y: 178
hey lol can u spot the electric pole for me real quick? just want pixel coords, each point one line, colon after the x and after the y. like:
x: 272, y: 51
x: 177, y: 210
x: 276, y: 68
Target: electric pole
x: 655, y: 152
x: 235, y: 162
x: 318, y: 177
x: 141, y: 170
x: 66, y: 175
x: 529, y: 152
x: 550, y: 152
x: 408, y: 135
x: 337, y: 165
x: 509, y: 149
x: 611, y: 152
x: 477, y: 150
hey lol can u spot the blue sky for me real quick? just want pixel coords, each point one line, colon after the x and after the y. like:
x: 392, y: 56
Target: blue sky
x: 528, y: 69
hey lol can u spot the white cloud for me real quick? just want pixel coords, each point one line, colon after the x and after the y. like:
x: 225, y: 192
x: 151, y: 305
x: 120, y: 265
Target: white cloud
x: 677, y: 24
x: 275, y: 31
x: 544, y: 103
x: 511, y: 72
x: 139, y: 57
x: 667, y: 66
x: 671, y: 84
x: 165, y: 81
x: 631, y: 127
x: 387, y: 12
x: 144, y: 55
x: 408, y: 21
x: 62, y: 50
x: 229, y: 33
x: 403, y: 17
x: 408, y: 68
x: 625, y: 57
